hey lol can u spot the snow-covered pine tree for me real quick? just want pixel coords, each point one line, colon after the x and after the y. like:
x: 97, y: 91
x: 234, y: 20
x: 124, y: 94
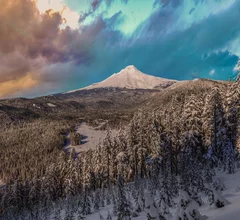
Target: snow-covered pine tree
x: 190, y: 164
x: 232, y: 106
x: 164, y: 207
x: 80, y: 216
x: 57, y: 214
x: 87, y: 159
x: 109, y: 217
x: 117, y: 141
x: 139, y: 142
x: 102, y: 197
x: 101, y: 217
x: 207, y: 115
x: 106, y: 156
x: 17, y: 197
x: 168, y: 166
x: 191, y: 170
x: 35, y: 194
x: 154, y: 159
x: 229, y: 158
x: 123, y: 205
x: 139, y: 200
x: 216, y: 124
x: 192, y: 122
x: 109, y: 195
x: 216, y: 199
x: 69, y: 215
x: 96, y: 201
x: 85, y: 204
x: 114, y: 211
x: 208, y: 172
x: 150, y: 206
x: 187, y: 208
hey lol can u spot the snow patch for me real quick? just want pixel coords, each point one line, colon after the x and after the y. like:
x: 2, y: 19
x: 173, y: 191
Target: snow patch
x: 51, y: 105
x: 91, y: 137
x: 36, y: 106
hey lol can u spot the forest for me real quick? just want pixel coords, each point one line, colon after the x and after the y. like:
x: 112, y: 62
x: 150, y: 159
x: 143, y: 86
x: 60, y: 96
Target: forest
x: 163, y: 154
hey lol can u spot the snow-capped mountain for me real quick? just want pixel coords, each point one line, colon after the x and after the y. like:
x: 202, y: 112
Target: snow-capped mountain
x: 131, y: 78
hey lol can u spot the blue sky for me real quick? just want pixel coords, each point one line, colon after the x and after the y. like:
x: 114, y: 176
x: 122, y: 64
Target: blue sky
x: 177, y: 39
x: 172, y: 38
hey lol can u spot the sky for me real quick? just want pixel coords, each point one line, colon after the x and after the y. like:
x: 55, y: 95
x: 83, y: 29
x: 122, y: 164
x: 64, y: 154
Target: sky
x: 51, y: 46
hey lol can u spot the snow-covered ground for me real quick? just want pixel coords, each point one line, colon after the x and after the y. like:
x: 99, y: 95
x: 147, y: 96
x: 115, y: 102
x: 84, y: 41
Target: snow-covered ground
x: 232, y: 194
x: 231, y: 211
x: 51, y: 105
x: 91, y: 137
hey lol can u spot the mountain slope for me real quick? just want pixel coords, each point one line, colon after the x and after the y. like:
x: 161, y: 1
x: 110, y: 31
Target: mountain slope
x: 131, y: 78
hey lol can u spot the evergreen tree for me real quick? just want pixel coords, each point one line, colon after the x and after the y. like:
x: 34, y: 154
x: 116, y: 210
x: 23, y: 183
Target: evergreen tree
x: 229, y: 156
x: 85, y: 204
x: 69, y: 215
x: 191, y: 179
x: 114, y: 205
x: 187, y: 209
x: 101, y: 217
x: 109, y: 217
x: 216, y: 125
x: 150, y: 206
x: 107, y: 156
x: 164, y: 207
x: 57, y: 214
x: 216, y: 199
x: 139, y: 200
x: 232, y: 105
x: 123, y: 205
x: 96, y: 201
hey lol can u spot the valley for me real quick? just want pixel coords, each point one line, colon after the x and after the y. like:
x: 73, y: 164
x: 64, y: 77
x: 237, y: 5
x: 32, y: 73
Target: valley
x: 132, y: 150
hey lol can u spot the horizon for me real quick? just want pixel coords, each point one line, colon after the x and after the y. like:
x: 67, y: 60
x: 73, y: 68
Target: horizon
x: 232, y: 78
x: 61, y: 45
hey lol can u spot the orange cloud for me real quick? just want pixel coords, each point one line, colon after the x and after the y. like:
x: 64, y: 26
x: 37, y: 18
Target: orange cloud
x: 12, y: 87
x: 34, y: 38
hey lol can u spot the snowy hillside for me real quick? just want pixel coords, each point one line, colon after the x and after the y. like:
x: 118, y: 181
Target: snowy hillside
x: 231, y: 194
x: 132, y: 78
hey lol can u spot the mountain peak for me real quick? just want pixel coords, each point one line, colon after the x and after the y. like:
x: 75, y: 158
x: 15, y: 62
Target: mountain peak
x: 129, y: 69
x: 132, y: 78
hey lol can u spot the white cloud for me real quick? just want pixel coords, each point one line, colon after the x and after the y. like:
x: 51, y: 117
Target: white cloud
x: 212, y: 72
x: 71, y: 17
x: 237, y: 67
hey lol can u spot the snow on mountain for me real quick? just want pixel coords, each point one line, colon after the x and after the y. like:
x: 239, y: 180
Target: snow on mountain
x: 131, y: 78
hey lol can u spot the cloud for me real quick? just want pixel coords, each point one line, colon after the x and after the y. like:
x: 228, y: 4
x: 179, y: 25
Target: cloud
x: 14, y: 86
x: 180, y: 54
x: 95, y: 4
x: 237, y: 67
x: 30, y: 40
x: 164, y: 3
x: 212, y: 72
x: 70, y: 16
x: 173, y: 43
